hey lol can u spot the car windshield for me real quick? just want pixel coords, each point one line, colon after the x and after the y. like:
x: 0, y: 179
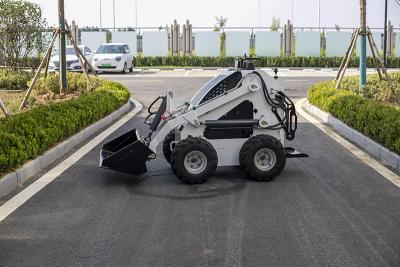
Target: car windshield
x: 111, y: 49
x: 70, y: 51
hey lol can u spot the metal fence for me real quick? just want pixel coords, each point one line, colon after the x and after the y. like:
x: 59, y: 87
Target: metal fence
x: 287, y: 40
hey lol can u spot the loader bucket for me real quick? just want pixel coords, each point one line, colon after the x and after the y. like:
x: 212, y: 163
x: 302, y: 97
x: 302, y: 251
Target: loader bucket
x: 127, y: 154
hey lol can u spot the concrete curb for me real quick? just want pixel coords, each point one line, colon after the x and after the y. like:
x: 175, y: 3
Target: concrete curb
x: 12, y: 180
x: 377, y: 150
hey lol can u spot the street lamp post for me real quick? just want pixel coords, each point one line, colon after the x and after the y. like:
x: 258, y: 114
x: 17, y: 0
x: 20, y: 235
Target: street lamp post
x: 100, y: 16
x: 292, y: 11
x: 259, y: 13
x: 114, y: 13
x: 363, y: 45
x: 63, y: 57
x: 136, y: 14
x: 385, y: 34
x: 319, y: 15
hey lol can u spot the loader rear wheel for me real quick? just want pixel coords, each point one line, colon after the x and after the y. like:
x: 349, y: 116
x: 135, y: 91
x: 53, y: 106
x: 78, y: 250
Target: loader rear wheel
x: 194, y: 160
x: 167, y: 146
x: 262, y: 157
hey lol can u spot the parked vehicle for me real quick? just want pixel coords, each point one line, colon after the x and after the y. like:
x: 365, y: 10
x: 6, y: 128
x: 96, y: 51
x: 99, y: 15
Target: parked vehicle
x: 113, y: 57
x: 73, y: 63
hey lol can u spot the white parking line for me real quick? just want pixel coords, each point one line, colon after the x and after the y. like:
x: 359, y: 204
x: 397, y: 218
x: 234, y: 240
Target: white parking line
x: 296, y: 81
x: 14, y: 203
x: 364, y: 157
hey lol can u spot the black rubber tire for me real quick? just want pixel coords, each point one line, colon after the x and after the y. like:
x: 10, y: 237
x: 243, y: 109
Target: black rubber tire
x: 131, y: 68
x: 167, y: 146
x: 249, y: 150
x: 124, y: 69
x: 186, y: 146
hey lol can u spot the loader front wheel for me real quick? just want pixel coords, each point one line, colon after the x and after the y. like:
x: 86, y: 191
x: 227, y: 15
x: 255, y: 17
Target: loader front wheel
x: 194, y: 160
x: 167, y: 146
x: 262, y: 157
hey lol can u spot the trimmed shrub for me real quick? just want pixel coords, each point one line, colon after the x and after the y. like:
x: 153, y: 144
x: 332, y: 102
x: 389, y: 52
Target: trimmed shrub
x: 288, y: 62
x: 26, y: 135
x: 14, y: 80
x: 379, y: 121
x: 382, y: 91
x: 76, y: 83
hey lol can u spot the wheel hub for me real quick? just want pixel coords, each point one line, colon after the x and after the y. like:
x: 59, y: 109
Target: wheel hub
x: 265, y: 159
x: 195, y: 162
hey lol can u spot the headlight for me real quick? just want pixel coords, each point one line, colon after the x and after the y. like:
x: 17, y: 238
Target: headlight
x: 118, y: 59
x: 95, y: 59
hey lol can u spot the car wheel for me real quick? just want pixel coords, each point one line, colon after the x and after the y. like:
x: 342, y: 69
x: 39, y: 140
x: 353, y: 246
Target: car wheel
x: 125, y: 69
x: 131, y: 68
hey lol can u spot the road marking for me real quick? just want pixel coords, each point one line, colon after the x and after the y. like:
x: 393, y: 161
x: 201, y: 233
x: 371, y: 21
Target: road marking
x: 17, y: 201
x: 296, y: 81
x: 374, y: 164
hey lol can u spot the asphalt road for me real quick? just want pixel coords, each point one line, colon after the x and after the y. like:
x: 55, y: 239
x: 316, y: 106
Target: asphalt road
x: 327, y: 210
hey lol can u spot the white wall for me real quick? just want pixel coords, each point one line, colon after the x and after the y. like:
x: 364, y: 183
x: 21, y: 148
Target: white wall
x: 308, y: 44
x: 93, y: 40
x: 207, y: 44
x: 128, y: 38
x: 397, y: 40
x: 237, y: 43
x: 378, y: 41
x: 155, y: 44
x: 337, y: 43
x: 268, y: 44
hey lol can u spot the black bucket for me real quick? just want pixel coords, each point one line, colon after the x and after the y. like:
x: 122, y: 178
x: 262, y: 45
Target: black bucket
x: 127, y: 154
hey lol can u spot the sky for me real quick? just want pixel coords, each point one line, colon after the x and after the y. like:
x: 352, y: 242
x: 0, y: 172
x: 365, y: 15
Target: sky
x: 201, y: 13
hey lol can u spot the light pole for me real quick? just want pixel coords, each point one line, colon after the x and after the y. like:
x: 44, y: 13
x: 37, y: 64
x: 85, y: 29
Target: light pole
x: 259, y: 13
x: 319, y: 15
x: 136, y: 14
x: 63, y: 57
x: 363, y: 45
x: 385, y: 34
x: 292, y: 11
x: 100, y: 17
x: 114, y: 13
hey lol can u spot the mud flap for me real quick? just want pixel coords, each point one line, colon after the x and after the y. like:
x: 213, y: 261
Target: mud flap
x: 127, y: 154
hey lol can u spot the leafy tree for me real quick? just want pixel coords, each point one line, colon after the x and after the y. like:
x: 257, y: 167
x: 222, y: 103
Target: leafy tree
x: 220, y: 23
x: 21, y: 25
x: 218, y: 27
x: 276, y: 24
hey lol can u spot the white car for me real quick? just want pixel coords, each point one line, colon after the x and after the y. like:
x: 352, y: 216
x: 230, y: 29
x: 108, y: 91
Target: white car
x: 113, y: 57
x: 72, y: 60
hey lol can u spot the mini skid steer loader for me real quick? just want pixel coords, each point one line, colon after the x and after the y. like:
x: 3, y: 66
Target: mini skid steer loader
x: 239, y: 118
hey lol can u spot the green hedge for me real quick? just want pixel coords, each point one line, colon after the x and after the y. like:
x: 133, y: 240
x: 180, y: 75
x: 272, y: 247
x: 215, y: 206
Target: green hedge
x: 380, y: 90
x: 315, y: 62
x: 26, y: 135
x: 76, y: 83
x: 14, y: 80
x: 379, y: 121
